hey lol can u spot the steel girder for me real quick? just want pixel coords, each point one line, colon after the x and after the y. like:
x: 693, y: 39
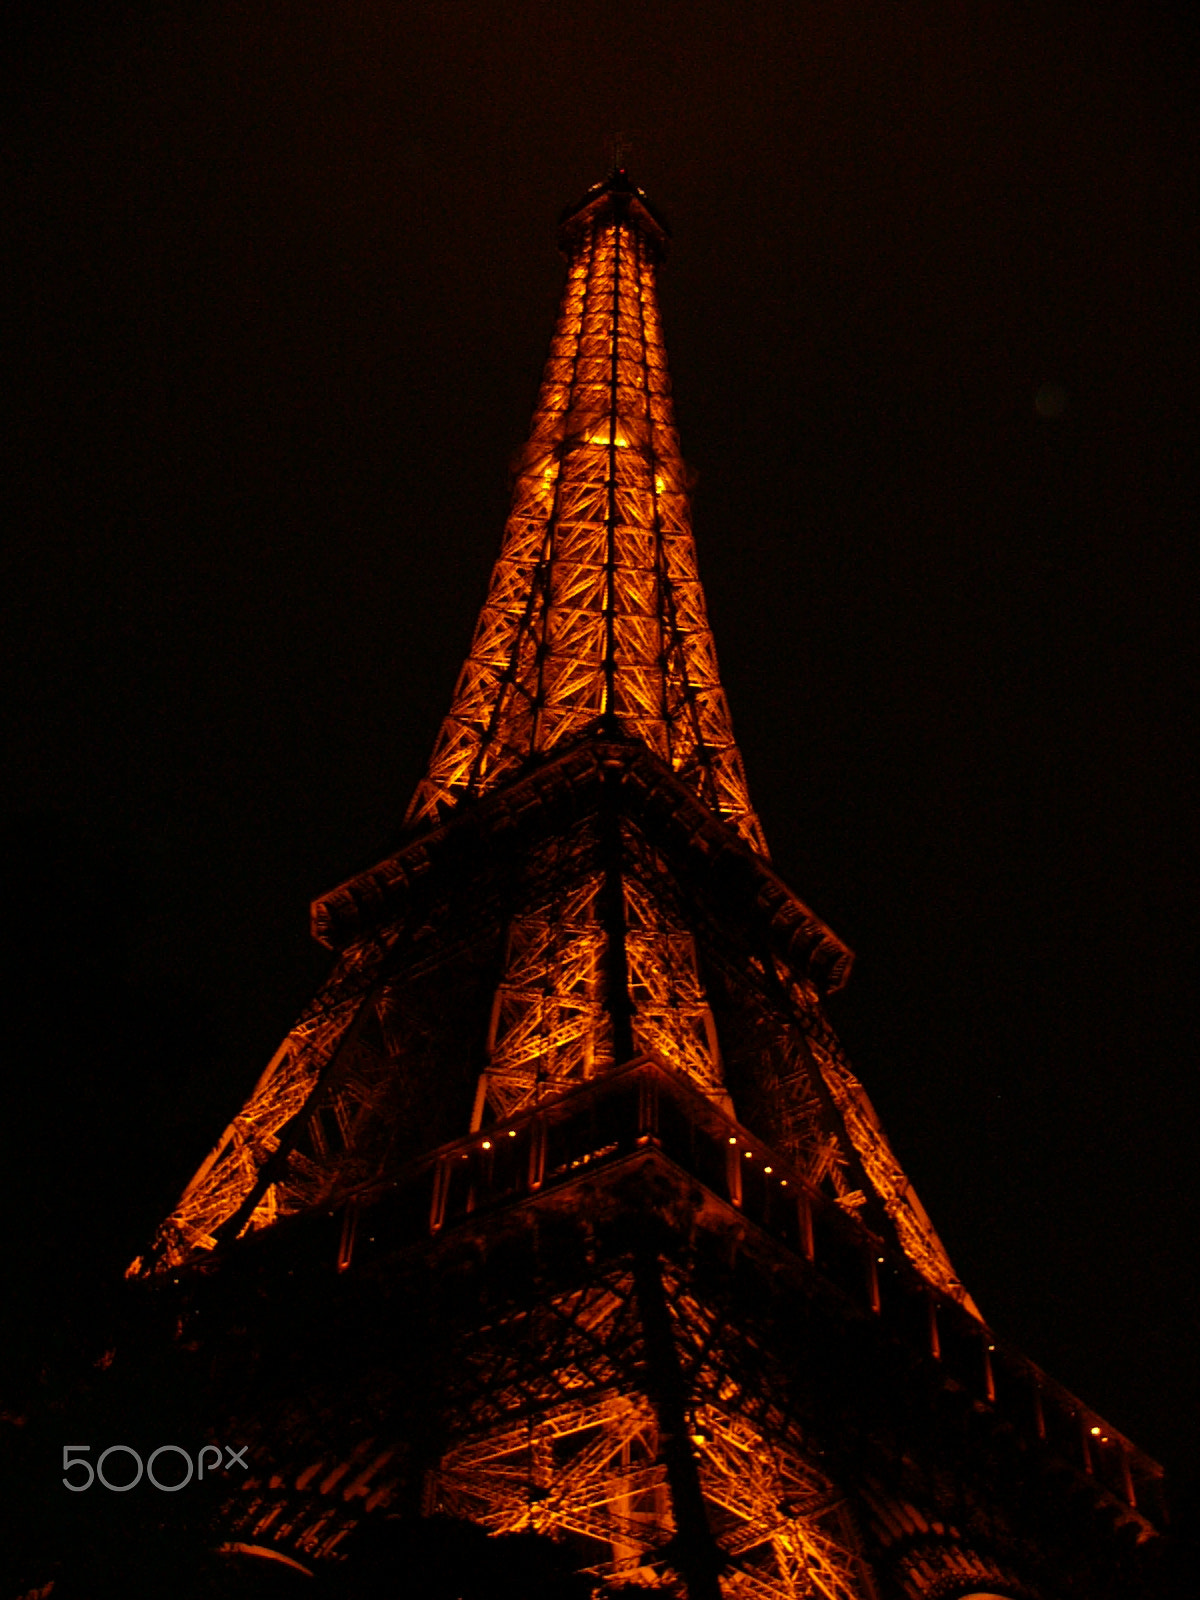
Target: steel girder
x: 595, y: 612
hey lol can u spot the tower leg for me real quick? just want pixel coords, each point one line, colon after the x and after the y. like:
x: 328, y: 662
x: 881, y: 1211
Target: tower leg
x: 697, y: 1556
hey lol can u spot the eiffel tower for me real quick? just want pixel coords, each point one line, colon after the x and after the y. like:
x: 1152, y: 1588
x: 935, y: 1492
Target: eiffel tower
x: 560, y: 1210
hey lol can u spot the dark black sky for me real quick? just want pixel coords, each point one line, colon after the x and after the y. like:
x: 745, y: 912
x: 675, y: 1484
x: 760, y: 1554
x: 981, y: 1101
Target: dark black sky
x: 279, y: 280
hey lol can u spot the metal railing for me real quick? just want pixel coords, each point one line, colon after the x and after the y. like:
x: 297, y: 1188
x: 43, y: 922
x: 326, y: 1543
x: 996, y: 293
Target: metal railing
x: 646, y: 1107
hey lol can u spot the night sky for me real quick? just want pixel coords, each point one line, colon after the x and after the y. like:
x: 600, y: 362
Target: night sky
x: 279, y: 282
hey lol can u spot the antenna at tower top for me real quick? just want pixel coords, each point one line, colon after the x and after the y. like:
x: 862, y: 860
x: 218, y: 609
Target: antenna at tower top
x: 620, y: 148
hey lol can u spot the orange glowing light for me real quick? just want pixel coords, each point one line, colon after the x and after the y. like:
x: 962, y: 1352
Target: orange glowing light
x: 615, y: 623
x: 639, y: 647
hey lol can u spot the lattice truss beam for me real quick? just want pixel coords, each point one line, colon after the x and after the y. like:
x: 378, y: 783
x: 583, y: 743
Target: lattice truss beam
x: 672, y: 1017
x: 595, y: 606
x: 822, y: 1061
x: 557, y: 1435
x: 283, y: 1095
x: 798, y: 1091
x: 552, y: 1019
x: 551, y: 1026
x: 552, y: 1029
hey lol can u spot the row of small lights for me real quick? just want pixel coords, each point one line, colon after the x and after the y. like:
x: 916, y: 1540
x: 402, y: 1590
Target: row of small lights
x: 749, y: 1155
x: 486, y: 1144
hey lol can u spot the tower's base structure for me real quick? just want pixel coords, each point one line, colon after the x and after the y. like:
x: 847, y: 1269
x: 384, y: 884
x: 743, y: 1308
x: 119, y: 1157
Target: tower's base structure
x: 560, y: 1211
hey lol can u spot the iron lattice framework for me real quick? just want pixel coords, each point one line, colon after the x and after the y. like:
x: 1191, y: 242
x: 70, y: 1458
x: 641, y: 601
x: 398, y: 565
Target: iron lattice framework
x: 619, y: 1322
x: 594, y: 628
x: 595, y: 609
x: 595, y: 1465
x: 601, y: 955
x: 580, y: 992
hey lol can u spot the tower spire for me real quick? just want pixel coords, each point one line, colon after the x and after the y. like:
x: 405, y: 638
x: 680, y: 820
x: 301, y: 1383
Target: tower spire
x: 595, y: 619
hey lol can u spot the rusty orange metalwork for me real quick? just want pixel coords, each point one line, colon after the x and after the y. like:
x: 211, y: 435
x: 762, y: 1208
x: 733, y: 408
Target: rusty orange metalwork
x: 595, y: 609
x: 583, y: 931
x: 594, y: 626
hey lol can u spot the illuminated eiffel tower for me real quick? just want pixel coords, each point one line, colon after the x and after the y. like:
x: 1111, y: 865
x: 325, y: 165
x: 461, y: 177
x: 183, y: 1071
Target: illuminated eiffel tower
x: 591, y: 1229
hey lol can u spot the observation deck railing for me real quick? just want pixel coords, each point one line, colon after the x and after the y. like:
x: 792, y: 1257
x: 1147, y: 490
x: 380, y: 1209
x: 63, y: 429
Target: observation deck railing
x: 645, y: 1107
